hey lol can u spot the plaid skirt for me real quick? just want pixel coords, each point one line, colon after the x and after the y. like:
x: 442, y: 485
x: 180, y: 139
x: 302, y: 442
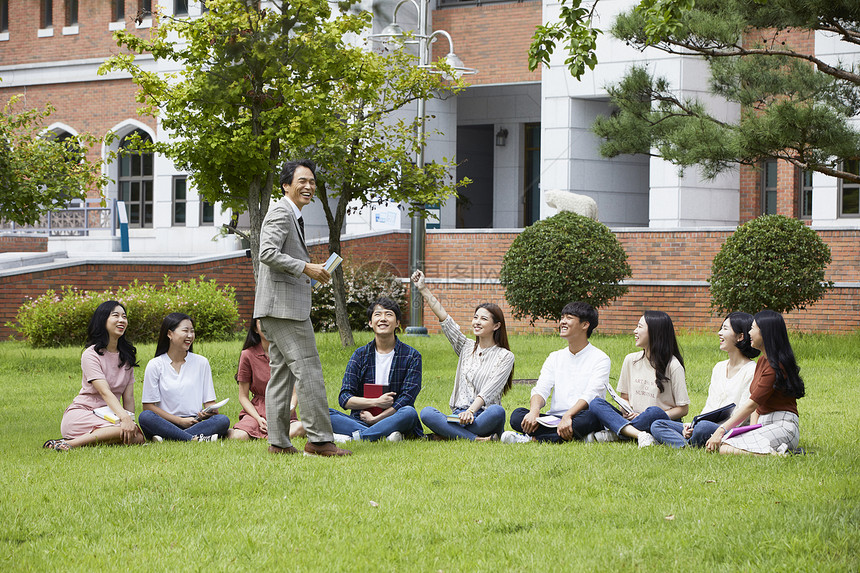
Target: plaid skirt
x: 779, y: 431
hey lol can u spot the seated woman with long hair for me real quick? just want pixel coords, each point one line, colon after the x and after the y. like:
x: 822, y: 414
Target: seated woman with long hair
x: 177, y: 388
x: 774, y: 391
x: 730, y: 384
x: 485, y: 371
x: 107, y: 364
x: 653, y: 381
x: 253, y: 377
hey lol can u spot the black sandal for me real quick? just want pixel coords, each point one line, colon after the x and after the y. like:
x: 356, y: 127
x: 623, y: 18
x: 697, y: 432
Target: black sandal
x: 56, y: 445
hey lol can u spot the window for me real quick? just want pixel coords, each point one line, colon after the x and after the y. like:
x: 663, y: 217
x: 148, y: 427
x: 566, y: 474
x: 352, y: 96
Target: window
x: 531, y: 172
x: 806, y: 195
x: 207, y: 213
x: 4, y: 15
x: 849, y: 197
x: 117, y: 10
x: 135, y: 180
x: 71, y: 13
x: 180, y: 200
x: 46, y: 14
x: 768, y: 188
x: 180, y: 7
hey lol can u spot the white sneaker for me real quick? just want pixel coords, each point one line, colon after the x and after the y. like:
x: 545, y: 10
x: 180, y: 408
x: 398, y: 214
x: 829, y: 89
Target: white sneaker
x: 604, y: 436
x: 157, y: 439
x: 646, y: 439
x: 510, y: 437
x: 204, y: 438
x: 342, y: 438
x: 395, y: 437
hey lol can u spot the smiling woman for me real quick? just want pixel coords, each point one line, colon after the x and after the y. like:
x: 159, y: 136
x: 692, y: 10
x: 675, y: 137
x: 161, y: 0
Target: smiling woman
x: 175, y: 385
x: 485, y: 372
x: 108, y: 374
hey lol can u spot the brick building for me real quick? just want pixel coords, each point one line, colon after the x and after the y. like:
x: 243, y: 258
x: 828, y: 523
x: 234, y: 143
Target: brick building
x: 515, y: 133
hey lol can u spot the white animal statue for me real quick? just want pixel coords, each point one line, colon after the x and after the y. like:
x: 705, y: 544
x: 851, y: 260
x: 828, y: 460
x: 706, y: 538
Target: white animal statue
x: 567, y: 201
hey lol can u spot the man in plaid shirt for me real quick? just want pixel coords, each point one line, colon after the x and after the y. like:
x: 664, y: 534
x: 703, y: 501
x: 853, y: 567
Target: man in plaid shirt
x: 394, y: 369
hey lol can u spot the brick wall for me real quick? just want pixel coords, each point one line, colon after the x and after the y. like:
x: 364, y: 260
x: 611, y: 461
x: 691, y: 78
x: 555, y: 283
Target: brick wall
x: 88, y: 107
x: 93, y: 40
x: 788, y: 176
x: 234, y: 270
x: 23, y: 244
x: 654, y: 256
x: 498, y: 57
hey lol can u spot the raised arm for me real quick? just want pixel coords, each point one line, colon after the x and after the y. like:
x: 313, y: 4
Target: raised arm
x: 435, y: 305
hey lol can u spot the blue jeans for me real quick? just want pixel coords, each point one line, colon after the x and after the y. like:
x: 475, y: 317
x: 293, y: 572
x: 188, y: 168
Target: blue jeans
x: 612, y: 419
x: 583, y: 424
x: 154, y: 425
x: 489, y: 421
x: 669, y: 432
x: 403, y: 420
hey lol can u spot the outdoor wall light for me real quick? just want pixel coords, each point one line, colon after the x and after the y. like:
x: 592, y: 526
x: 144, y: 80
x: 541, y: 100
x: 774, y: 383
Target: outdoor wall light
x: 501, y: 137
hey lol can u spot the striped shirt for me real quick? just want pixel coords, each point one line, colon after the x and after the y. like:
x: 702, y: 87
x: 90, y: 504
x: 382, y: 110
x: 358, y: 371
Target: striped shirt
x: 480, y: 371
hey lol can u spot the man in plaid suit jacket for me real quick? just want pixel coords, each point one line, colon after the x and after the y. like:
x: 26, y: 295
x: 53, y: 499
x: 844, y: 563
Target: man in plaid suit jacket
x: 283, y: 305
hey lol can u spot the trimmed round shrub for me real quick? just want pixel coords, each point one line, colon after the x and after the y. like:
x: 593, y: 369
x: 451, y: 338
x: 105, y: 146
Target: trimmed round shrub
x: 61, y: 318
x: 563, y: 259
x: 772, y: 262
x: 364, y: 284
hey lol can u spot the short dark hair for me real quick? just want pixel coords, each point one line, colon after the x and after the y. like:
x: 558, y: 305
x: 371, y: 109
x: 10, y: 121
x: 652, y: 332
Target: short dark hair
x: 387, y: 304
x: 289, y: 170
x: 584, y: 312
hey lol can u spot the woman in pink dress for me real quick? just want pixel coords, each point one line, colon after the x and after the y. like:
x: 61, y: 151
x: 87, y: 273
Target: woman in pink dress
x: 108, y: 375
x: 253, y: 377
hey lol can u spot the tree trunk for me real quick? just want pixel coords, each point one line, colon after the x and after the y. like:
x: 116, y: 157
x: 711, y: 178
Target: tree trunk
x: 335, y: 224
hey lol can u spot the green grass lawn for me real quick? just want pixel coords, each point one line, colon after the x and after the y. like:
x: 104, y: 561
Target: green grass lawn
x: 437, y: 506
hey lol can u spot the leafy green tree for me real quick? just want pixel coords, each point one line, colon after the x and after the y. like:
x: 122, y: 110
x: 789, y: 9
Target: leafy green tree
x: 39, y: 173
x: 794, y: 106
x: 770, y: 262
x: 256, y: 86
x: 564, y: 258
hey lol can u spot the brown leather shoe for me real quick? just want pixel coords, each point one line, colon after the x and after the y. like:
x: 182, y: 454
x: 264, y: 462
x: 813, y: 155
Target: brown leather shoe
x: 325, y: 449
x: 277, y: 450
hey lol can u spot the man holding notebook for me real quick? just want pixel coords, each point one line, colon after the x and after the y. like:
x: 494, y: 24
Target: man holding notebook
x: 381, y: 382
x: 574, y: 376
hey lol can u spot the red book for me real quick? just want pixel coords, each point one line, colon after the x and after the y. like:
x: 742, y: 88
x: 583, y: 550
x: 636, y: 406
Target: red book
x: 374, y: 391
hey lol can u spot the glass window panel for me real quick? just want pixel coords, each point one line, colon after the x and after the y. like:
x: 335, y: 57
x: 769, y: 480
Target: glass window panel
x: 770, y: 176
x: 207, y: 214
x: 147, y: 191
x: 179, y: 213
x: 134, y: 197
x: 851, y: 201
x: 135, y: 165
x: 124, y: 165
x: 71, y: 12
x: 770, y: 202
x: 147, y: 164
x: 853, y: 166
x: 147, y: 211
x: 124, y: 191
x: 179, y: 185
x: 134, y: 214
x: 180, y: 7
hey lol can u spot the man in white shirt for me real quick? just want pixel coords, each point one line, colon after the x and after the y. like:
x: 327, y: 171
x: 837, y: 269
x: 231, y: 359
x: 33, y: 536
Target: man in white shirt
x: 574, y: 376
x: 385, y: 362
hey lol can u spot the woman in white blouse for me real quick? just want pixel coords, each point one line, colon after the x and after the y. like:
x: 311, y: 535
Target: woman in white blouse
x: 485, y: 372
x: 730, y: 384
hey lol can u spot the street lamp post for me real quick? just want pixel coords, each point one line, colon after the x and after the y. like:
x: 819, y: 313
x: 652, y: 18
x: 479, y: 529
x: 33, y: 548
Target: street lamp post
x: 418, y: 228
